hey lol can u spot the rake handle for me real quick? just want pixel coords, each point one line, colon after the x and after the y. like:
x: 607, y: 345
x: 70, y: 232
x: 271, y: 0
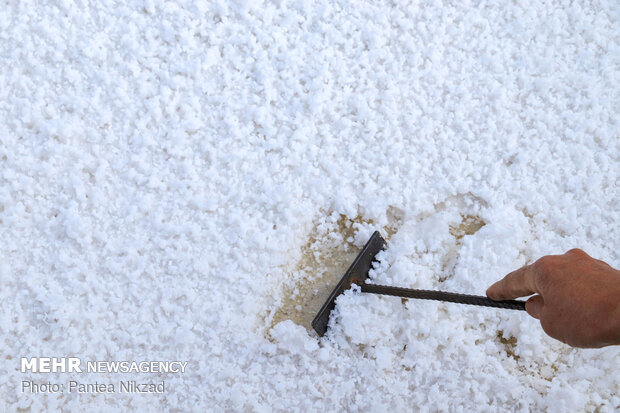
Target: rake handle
x: 443, y: 296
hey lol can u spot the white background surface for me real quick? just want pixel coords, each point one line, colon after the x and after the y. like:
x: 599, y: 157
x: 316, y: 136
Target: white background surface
x: 163, y: 164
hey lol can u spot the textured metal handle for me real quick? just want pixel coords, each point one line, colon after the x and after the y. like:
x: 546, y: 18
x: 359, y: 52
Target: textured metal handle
x: 443, y: 296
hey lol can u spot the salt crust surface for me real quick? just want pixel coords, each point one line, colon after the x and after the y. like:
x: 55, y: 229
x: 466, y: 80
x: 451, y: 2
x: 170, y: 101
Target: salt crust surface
x: 164, y: 162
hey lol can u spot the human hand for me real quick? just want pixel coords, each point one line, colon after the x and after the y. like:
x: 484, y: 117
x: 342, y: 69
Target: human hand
x: 577, y: 297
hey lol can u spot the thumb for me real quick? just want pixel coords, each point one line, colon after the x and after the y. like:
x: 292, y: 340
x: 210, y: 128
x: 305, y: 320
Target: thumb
x: 534, y: 306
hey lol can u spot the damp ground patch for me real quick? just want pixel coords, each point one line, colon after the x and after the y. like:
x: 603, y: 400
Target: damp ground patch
x: 470, y: 224
x: 325, y: 258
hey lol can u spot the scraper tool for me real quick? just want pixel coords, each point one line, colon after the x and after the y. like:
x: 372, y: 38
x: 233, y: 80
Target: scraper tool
x: 358, y: 273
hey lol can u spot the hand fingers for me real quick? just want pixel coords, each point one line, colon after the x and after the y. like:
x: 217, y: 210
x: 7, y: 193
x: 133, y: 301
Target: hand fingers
x: 518, y: 283
x: 534, y: 306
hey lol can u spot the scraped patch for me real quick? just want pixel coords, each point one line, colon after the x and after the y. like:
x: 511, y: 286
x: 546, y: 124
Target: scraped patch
x: 509, y: 344
x: 395, y: 218
x: 325, y: 258
x: 469, y: 225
